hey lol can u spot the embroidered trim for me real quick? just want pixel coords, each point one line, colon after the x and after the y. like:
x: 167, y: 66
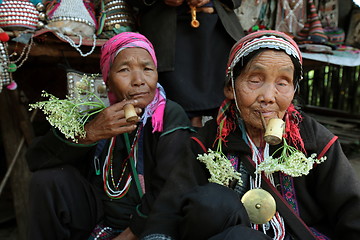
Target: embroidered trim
x: 288, y: 191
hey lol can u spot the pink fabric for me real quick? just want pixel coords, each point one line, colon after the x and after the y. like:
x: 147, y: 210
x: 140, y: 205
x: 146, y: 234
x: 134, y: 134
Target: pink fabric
x: 114, y: 45
x: 108, y: 53
x: 158, y: 115
x: 155, y: 110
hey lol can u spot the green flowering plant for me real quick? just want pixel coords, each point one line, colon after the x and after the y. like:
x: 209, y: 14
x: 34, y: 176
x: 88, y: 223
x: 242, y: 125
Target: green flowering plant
x: 292, y: 162
x: 70, y: 115
x: 219, y: 166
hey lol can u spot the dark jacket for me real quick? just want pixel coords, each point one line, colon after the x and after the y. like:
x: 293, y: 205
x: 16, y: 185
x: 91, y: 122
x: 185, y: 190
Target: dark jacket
x: 157, y: 21
x: 328, y: 197
x: 159, y: 150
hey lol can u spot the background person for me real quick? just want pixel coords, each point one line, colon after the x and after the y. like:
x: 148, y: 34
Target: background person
x: 192, y: 61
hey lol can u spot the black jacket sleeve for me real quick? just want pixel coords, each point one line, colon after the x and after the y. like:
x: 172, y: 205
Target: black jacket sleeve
x: 51, y: 150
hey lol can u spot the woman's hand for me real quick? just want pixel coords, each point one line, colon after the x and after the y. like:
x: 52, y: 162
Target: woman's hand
x: 173, y: 3
x: 109, y: 123
x: 197, y: 3
x: 127, y: 234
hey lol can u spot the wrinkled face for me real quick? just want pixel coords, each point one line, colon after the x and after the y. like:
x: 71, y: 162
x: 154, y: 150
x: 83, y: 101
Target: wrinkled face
x: 133, y: 75
x: 265, y: 85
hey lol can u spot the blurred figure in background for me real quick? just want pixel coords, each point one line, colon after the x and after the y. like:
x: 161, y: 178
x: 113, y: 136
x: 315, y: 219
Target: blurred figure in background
x: 192, y: 60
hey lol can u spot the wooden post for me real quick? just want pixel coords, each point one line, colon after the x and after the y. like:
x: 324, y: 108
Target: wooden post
x: 15, y: 126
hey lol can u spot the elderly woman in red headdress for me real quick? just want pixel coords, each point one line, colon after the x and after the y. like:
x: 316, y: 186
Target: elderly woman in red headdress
x: 105, y: 185
x: 247, y: 177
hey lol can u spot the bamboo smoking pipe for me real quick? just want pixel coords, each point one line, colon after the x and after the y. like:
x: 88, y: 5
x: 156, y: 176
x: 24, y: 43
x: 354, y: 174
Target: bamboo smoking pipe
x: 130, y: 113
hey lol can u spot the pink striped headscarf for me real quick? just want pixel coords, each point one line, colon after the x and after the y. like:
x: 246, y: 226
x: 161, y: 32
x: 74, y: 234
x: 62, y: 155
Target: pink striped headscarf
x: 116, y: 44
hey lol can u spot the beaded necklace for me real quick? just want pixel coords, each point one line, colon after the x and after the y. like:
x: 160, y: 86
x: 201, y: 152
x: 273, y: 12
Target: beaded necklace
x: 111, y: 188
x: 277, y: 222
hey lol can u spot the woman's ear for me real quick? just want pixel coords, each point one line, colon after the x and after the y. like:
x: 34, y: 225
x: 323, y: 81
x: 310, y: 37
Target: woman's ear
x: 229, y: 92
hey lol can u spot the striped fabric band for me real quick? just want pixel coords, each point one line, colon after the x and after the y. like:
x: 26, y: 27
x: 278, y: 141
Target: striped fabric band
x: 267, y: 39
x: 270, y: 42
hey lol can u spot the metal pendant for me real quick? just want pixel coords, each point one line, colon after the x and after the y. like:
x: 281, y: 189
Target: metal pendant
x: 260, y: 205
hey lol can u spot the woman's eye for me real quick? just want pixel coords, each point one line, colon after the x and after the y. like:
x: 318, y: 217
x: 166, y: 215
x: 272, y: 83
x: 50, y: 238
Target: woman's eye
x: 254, y: 80
x: 123, y: 69
x: 283, y: 84
x: 148, y: 69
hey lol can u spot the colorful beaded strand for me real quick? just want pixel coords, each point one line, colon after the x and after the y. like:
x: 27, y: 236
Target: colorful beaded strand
x: 108, y: 169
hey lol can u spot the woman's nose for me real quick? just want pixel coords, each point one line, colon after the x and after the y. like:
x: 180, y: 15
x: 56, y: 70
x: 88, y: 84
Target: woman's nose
x: 267, y: 93
x: 137, y: 78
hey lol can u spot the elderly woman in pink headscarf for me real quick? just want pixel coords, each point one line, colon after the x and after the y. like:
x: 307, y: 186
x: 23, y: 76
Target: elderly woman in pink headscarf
x: 104, y: 186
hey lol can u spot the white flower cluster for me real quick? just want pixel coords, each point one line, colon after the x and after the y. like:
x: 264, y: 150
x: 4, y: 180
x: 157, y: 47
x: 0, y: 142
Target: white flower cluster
x: 291, y: 162
x: 66, y: 114
x: 220, y: 168
x: 62, y: 114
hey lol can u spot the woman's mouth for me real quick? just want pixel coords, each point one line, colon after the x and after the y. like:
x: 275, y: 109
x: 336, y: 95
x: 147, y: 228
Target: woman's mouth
x: 138, y: 95
x: 267, y: 114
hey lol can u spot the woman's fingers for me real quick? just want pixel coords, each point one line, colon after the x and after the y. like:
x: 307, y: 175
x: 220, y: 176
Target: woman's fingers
x: 173, y: 3
x: 198, y: 3
x: 110, y: 122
